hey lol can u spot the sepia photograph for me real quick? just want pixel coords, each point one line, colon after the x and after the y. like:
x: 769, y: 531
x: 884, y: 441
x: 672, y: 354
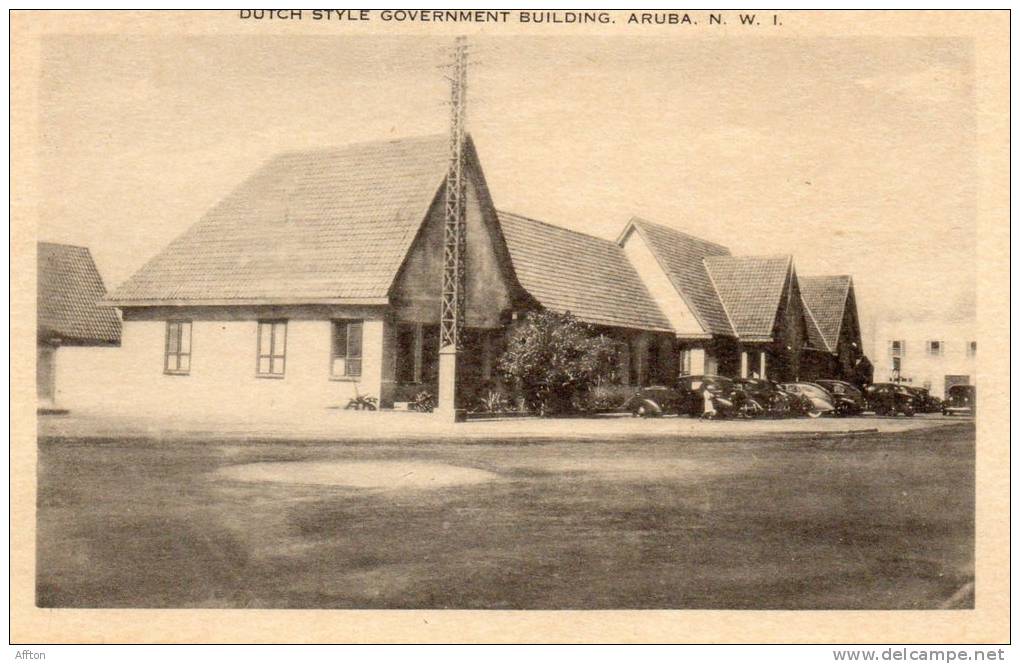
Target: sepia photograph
x: 508, y: 311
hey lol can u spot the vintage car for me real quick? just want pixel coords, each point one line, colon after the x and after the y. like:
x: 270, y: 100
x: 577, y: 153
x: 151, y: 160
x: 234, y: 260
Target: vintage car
x: 767, y: 398
x: 821, y: 401
x: 656, y: 401
x: 890, y: 399
x: 848, y: 399
x: 924, y: 401
x: 688, y: 398
x: 800, y: 404
x: 960, y: 400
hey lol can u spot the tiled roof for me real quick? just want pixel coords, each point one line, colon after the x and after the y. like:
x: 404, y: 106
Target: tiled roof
x: 682, y: 257
x: 816, y: 340
x: 588, y: 276
x: 68, y: 287
x: 826, y: 297
x: 329, y: 225
x: 750, y: 288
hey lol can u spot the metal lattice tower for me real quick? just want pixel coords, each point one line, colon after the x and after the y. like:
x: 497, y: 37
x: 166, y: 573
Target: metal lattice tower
x: 452, y: 313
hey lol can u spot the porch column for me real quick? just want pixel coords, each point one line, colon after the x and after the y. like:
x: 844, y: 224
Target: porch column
x: 446, y: 407
x: 640, y: 357
x: 743, y: 363
x: 697, y: 361
x: 761, y: 363
x: 625, y: 363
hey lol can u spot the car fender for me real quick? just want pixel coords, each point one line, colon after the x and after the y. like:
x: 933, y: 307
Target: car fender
x: 650, y: 407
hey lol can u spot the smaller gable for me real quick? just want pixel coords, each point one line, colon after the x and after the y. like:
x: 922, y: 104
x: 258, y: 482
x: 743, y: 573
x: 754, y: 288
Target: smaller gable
x: 825, y: 297
x: 751, y: 289
x: 68, y: 290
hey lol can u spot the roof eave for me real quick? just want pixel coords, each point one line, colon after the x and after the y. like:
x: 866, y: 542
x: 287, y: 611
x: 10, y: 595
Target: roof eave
x: 209, y: 302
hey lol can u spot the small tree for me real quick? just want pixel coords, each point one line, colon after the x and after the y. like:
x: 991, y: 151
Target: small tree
x: 555, y: 359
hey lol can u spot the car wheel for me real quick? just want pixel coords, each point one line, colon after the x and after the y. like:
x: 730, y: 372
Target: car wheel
x: 641, y: 411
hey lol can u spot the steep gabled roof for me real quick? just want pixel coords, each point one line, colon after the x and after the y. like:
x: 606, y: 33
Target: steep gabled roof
x: 825, y: 297
x: 816, y: 340
x: 322, y: 226
x: 750, y: 288
x: 68, y: 288
x: 681, y: 257
x: 588, y: 276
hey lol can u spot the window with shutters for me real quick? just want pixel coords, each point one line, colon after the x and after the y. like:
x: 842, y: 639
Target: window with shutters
x: 272, y: 349
x: 345, y: 361
x: 177, y: 355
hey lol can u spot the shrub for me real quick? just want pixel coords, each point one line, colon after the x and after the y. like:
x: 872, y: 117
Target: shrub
x: 423, y: 402
x: 494, y: 401
x: 607, y: 397
x: 555, y: 360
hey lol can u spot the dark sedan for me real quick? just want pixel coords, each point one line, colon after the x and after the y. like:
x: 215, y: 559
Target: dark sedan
x: 821, y: 401
x: 697, y: 396
x: 847, y: 398
x: 960, y: 400
x: 925, y: 402
x: 891, y: 399
x: 769, y: 399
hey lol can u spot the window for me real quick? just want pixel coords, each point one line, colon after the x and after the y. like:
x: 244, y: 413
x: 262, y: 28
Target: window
x: 272, y: 348
x: 346, y: 356
x: 934, y: 347
x: 897, y: 348
x: 896, y: 365
x: 177, y: 359
x: 971, y: 349
x: 685, y: 361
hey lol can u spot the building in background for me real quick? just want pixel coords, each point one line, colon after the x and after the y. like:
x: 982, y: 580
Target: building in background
x: 70, y: 325
x: 925, y: 352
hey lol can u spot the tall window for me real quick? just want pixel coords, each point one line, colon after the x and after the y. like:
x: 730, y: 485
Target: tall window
x: 346, y: 356
x: 272, y: 348
x: 934, y: 347
x: 177, y: 358
x: 685, y: 362
x: 896, y: 366
x: 971, y: 349
x: 897, y: 348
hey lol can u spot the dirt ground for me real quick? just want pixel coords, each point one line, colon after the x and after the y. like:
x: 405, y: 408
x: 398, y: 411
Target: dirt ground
x: 834, y: 521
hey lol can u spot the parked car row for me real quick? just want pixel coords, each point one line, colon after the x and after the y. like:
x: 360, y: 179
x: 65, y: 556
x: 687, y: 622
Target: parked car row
x: 719, y: 397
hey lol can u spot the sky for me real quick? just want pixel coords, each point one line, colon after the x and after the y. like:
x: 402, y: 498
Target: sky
x: 856, y: 155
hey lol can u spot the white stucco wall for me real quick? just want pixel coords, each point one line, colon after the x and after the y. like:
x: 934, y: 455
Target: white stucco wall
x: 917, y: 366
x: 222, y: 380
x: 659, y: 286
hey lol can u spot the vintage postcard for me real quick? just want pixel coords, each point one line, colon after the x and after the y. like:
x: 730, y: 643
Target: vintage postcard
x: 509, y: 326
